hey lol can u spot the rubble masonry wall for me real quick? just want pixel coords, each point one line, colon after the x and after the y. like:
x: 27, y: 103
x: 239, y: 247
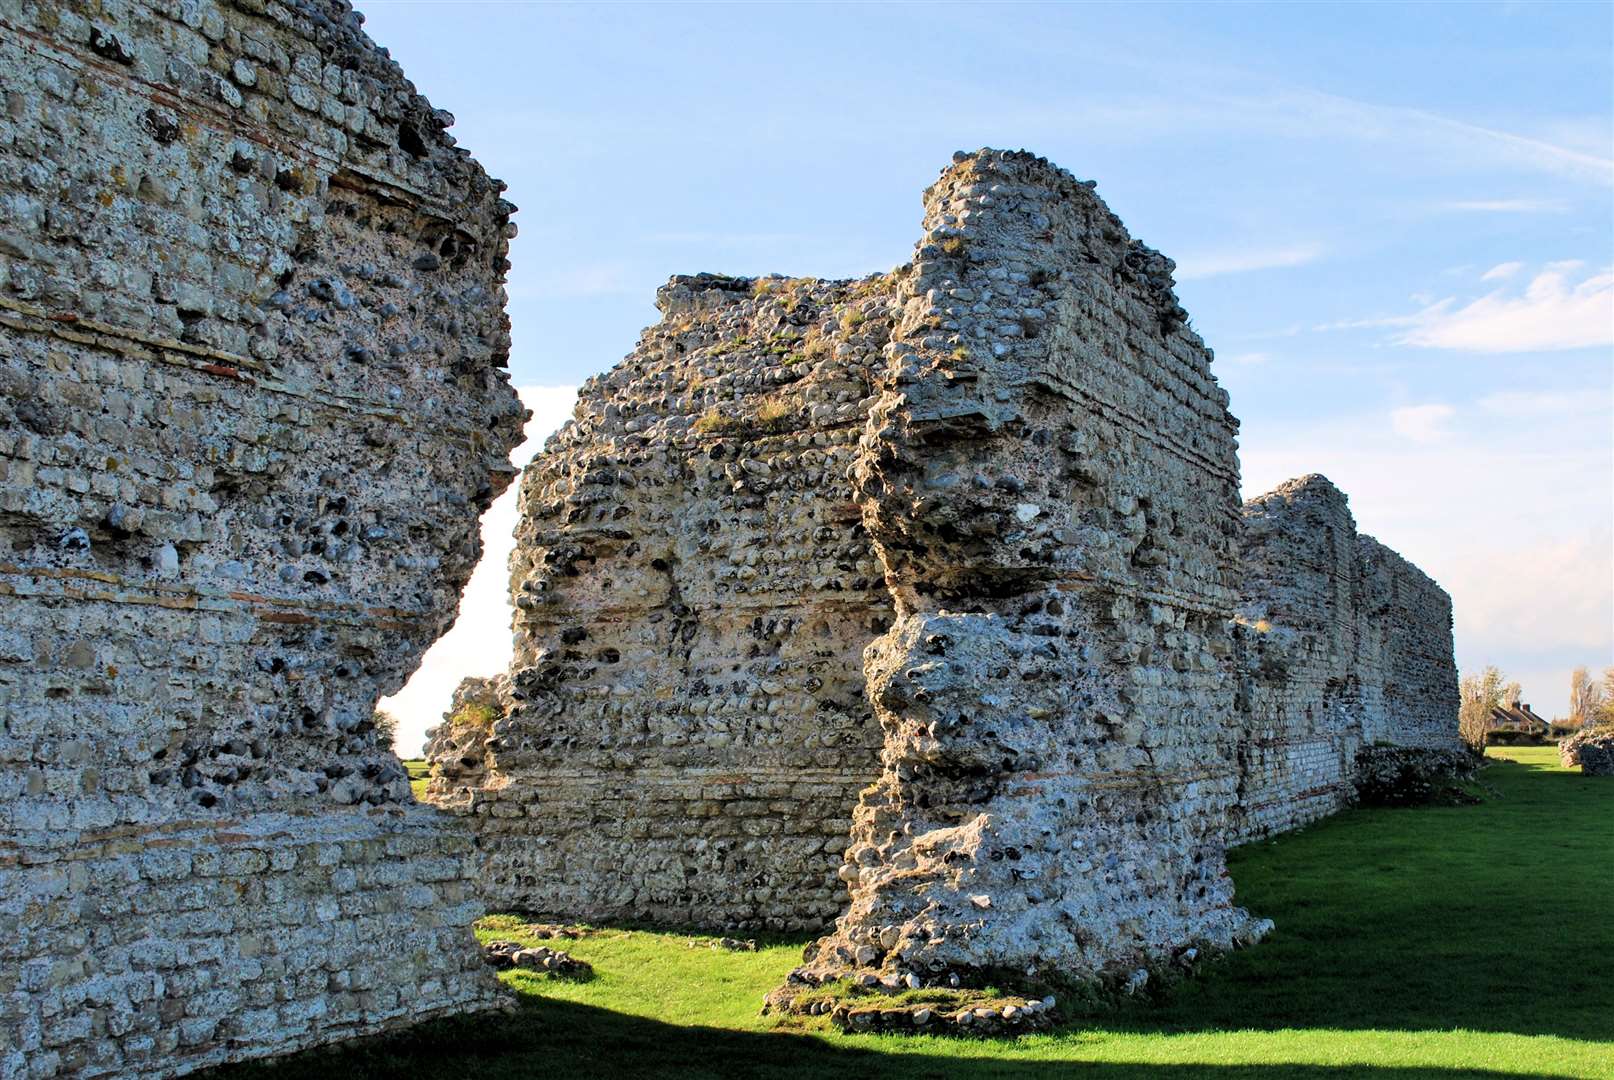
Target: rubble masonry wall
x: 963, y: 532
x: 251, y: 406
x: 1340, y: 644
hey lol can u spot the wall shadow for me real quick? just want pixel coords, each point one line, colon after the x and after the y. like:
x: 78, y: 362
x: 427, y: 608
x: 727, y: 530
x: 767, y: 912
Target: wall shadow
x: 1488, y: 918
x: 550, y: 1038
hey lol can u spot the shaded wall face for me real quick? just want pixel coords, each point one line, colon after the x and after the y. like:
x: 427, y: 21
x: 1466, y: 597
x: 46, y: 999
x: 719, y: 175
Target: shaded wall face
x: 250, y: 408
x: 1340, y: 644
x: 1307, y: 678
x: 694, y: 589
x: 1411, y: 624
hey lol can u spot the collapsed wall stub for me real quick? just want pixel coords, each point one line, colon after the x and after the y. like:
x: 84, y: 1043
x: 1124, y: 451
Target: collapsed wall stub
x: 251, y: 406
x: 1341, y: 644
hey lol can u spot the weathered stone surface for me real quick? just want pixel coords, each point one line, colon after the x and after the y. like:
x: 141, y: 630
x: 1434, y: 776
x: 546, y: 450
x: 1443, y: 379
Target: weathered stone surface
x: 1050, y: 480
x: 964, y: 538
x: 684, y: 731
x: 1340, y: 644
x: 250, y: 407
x: 457, y: 748
x: 1007, y: 466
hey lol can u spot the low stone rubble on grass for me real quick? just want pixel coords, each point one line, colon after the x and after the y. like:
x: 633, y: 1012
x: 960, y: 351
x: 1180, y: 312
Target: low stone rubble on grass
x: 963, y: 1013
x: 556, y: 930
x: 727, y: 944
x: 1593, y: 751
x: 513, y: 954
x: 1414, y: 775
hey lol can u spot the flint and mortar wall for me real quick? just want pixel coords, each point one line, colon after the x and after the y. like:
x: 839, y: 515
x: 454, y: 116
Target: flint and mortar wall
x: 250, y: 408
x: 1015, y: 448
x: 684, y: 730
x: 1006, y: 470
x: 1407, y: 619
x: 1340, y: 644
x: 1049, y: 478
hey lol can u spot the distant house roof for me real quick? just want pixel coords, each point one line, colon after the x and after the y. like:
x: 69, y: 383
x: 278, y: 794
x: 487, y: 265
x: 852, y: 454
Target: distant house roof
x: 1516, y: 716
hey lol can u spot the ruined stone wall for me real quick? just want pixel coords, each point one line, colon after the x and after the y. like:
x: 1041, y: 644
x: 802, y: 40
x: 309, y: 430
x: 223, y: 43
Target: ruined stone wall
x: 1340, y: 644
x: 1408, y: 622
x: 960, y: 545
x: 1050, y: 480
x: 1307, y: 678
x: 1013, y: 448
x: 250, y: 408
x: 687, y: 730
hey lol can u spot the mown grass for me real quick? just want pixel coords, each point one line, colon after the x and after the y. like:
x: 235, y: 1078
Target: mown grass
x: 419, y: 772
x: 1438, y: 942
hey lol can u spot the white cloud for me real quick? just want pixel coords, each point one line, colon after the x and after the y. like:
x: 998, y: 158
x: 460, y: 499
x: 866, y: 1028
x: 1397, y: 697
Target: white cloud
x: 1502, y: 271
x: 1422, y: 423
x: 1372, y: 323
x: 1508, y: 206
x: 1561, y: 604
x: 1249, y: 359
x: 1437, y: 133
x: 1557, y: 404
x: 1554, y: 312
x: 480, y: 641
x: 1242, y: 260
x: 1236, y: 103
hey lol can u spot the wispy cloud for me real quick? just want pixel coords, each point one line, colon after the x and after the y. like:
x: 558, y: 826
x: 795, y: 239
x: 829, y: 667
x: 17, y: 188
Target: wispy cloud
x: 1422, y: 423
x: 1380, y: 123
x: 1242, y: 261
x: 1553, y: 404
x: 1501, y: 271
x: 1372, y: 322
x: 718, y: 238
x: 1235, y: 103
x: 1555, y: 311
x: 1507, y: 206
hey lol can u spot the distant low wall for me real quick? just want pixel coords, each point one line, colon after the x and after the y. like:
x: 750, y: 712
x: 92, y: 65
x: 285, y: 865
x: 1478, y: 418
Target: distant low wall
x: 1339, y: 643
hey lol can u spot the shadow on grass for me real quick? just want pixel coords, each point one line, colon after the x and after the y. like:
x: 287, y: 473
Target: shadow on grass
x: 1490, y: 918
x: 549, y: 1038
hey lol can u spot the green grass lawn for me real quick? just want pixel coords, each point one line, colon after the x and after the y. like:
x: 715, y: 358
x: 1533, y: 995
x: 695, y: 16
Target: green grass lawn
x: 1471, y: 941
x: 418, y: 772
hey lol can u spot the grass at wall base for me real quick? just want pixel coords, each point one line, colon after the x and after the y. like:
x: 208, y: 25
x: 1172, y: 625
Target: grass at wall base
x: 1441, y: 942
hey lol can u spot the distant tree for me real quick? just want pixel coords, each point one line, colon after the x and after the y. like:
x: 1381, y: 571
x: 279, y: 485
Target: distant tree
x: 1512, y: 694
x: 1586, y: 698
x: 1604, y: 716
x: 1479, y: 694
x: 386, y: 726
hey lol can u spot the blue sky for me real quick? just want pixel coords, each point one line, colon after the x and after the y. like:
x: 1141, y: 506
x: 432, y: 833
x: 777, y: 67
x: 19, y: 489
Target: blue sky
x: 1394, y: 224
